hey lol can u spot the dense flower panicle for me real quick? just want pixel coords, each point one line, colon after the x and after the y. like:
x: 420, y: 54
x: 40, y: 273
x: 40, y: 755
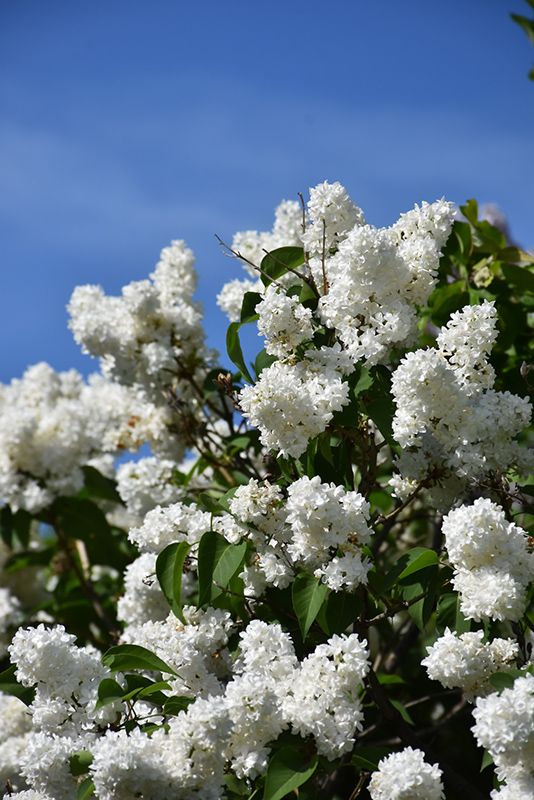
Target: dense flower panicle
x: 492, y: 561
x: 16, y: 724
x: 45, y: 763
x: 283, y: 321
x: 466, y: 342
x: 446, y: 409
x: 406, y: 776
x: 325, y: 518
x: 504, y: 726
x: 66, y: 679
x: 519, y: 786
x: 147, y: 483
x: 175, y: 523
x: 143, y: 600
x: 290, y: 404
x: 196, y: 650
x: 10, y: 616
x: 332, y: 214
x: 467, y: 662
x: 323, y: 698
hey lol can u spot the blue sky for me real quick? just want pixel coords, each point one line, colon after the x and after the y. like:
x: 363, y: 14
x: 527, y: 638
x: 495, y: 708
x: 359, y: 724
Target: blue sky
x: 126, y: 124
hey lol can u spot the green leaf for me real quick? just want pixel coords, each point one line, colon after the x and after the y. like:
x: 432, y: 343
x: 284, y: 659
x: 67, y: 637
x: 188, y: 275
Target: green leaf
x: 174, y: 705
x: 487, y: 761
x: 86, y: 789
x: 133, y: 656
x: 525, y: 23
x: 308, y: 595
x: 233, y: 347
x: 97, y: 485
x: 505, y: 680
x: 248, y: 307
x: 218, y: 561
x: 80, y: 762
x: 470, y: 211
x: 280, y: 261
x: 287, y: 771
x: 417, y: 559
x: 339, y: 610
x: 522, y: 277
x: 263, y: 361
x: 367, y: 758
x: 403, y: 711
x: 169, y: 570
x: 108, y: 692
x: 10, y: 685
x: 378, y: 403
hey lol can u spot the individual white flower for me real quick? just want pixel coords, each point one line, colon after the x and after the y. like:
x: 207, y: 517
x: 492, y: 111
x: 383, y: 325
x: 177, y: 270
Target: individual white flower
x: 406, y: 776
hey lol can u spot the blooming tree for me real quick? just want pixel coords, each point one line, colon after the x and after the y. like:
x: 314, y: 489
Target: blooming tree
x: 319, y: 581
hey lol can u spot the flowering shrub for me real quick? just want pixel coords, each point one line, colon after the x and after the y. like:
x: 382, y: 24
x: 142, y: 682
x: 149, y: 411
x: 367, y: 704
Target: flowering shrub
x: 320, y: 579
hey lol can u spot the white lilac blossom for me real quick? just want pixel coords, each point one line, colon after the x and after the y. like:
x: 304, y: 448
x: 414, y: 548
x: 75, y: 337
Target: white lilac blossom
x: 150, y: 336
x: 406, y: 776
x: 320, y: 526
x: 323, y: 698
x: 447, y: 411
x: 492, y: 561
x: 504, y: 726
x: 420, y: 235
x: 519, y: 786
x: 265, y: 667
x: 196, y: 650
x: 325, y: 518
x: 467, y: 662
x: 52, y: 424
x: 332, y: 214
x: 45, y: 763
x: 175, y: 523
x: 10, y: 616
x: 230, y: 298
x: 143, y: 600
x: 146, y: 483
x: 291, y: 404
x: 66, y: 679
x: 364, y: 302
x: 283, y: 321
x: 16, y: 724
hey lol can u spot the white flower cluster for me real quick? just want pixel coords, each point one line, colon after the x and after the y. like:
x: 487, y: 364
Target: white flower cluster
x: 16, y: 724
x: 151, y: 332
x: 52, y: 424
x: 175, y: 523
x: 467, y: 662
x: 292, y: 403
x: 406, y: 776
x: 143, y: 599
x: 239, y: 707
x: 323, y: 696
x: 447, y: 414
x: 283, y: 321
x: 492, y: 561
x: 146, y: 483
x: 63, y: 712
x: 320, y: 526
x: 504, y: 726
